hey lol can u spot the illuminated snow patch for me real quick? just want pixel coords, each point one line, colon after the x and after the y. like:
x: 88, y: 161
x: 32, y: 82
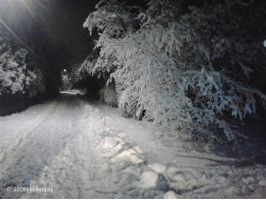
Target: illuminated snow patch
x: 138, y: 150
x: 148, y: 179
x: 157, y: 167
x: 109, y: 142
x: 170, y: 195
x: 127, y: 155
x: 70, y: 92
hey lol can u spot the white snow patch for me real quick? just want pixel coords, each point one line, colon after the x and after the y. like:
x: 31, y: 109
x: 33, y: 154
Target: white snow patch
x: 71, y: 92
x: 109, y: 142
x: 127, y: 155
x: 106, y: 167
x: 111, y: 152
x: 157, y: 167
x: 170, y: 195
x: 148, y: 179
x: 138, y: 150
x: 122, y: 135
x: 262, y: 182
x: 135, y: 160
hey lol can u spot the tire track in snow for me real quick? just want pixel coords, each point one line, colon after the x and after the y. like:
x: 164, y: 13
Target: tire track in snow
x: 72, y: 169
x: 88, y: 154
x: 16, y: 146
x: 41, y: 145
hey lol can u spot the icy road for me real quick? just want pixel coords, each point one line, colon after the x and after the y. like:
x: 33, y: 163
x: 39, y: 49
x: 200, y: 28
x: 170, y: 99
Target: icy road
x: 68, y: 148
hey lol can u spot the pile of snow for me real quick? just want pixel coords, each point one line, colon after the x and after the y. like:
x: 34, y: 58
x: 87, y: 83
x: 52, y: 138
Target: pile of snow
x: 166, y: 173
x: 148, y: 179
x: 158, y: 168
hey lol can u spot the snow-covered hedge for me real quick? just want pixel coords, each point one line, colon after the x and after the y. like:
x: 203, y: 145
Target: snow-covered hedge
x: 188, y: 73
x: 85, y: 69
x: 15, y: 77
x: 108, y: 96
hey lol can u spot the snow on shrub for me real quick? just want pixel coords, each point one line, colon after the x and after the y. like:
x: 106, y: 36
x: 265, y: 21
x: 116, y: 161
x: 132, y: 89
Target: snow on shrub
x: 85, y: 69
x: 188, y: 73
x: 37, y: 85
x: 108, y: 95
x: 15, y: 77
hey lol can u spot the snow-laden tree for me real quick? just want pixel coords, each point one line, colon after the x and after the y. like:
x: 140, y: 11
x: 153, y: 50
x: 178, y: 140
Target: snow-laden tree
x: 15, y: 77
x: 189, y: 73
x: 86, y: 68
x: 108, y: 95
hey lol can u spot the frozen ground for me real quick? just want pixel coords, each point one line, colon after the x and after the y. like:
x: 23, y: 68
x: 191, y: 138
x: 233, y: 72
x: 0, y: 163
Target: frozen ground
x: 74, y: 149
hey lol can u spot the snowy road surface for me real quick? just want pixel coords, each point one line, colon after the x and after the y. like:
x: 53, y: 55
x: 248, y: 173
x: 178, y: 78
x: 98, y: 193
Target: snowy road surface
x: 68, y: 148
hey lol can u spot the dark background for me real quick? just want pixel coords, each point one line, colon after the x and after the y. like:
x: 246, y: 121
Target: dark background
x: 56, y: 24
x: 52, y: 31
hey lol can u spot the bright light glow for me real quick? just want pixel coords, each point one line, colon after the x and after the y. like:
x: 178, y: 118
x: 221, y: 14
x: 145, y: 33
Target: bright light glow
x: 264, y: 43
x: 64, y: 70
x: 26, y: 5
x: 9, y: 29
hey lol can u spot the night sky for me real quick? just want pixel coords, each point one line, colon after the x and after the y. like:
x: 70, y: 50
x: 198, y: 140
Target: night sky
x: 58, y: 22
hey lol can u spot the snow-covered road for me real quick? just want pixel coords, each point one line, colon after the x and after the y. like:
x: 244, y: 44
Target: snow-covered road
x: 68, y: 148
